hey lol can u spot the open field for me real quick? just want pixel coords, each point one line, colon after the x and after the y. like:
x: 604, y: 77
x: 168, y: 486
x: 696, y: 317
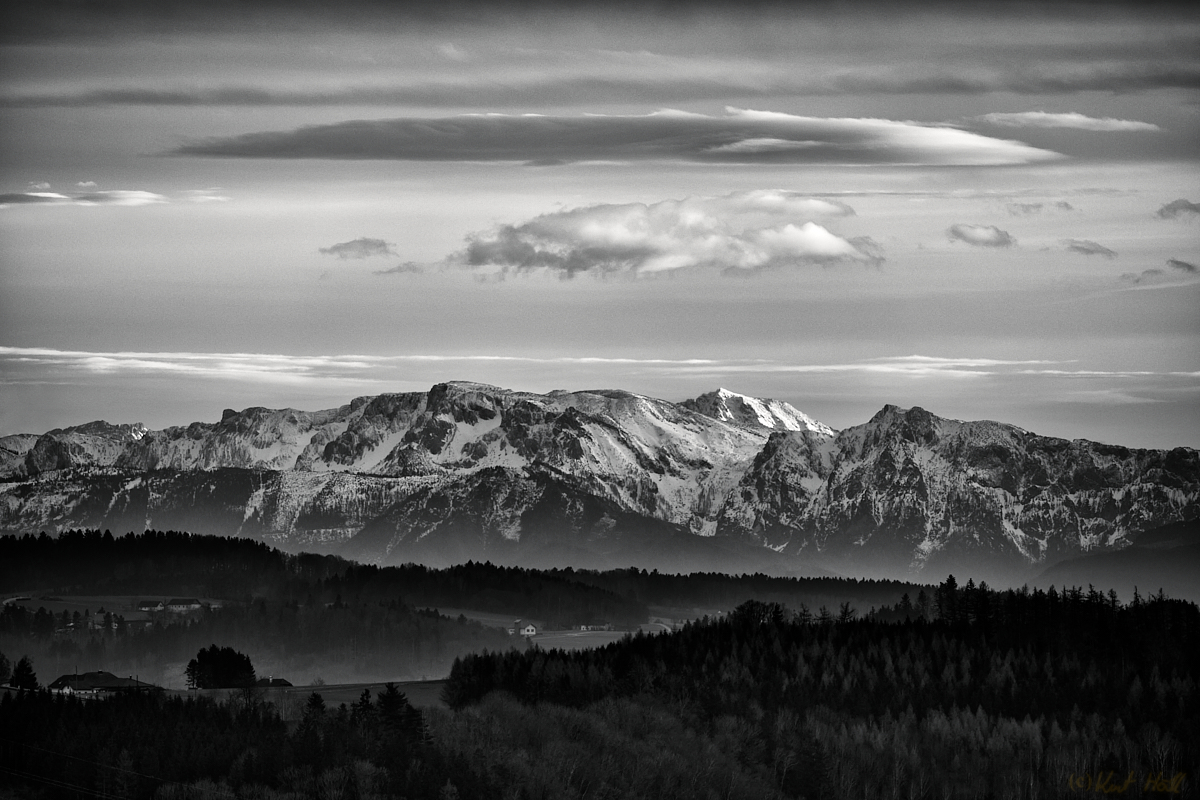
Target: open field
x: 561, y: 639
x: 486, y: 617
x: 577, y: 640
x: 124, y: 605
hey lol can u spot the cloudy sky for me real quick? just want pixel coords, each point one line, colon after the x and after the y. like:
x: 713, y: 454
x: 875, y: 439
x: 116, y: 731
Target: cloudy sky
x: 990, y: 212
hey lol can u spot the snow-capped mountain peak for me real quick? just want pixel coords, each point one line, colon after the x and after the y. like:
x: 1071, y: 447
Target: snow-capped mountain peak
x: 757, y: 412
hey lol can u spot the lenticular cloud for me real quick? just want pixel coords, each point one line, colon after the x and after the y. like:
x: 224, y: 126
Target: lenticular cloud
x: 740, y: 136
x: 744, y: 231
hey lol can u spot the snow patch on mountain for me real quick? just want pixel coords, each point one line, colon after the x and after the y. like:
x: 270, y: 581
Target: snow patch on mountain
x: 742, y: 409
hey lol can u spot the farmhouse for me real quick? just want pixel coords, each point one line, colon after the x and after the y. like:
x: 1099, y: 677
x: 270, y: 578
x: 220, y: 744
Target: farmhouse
x: 181, y: 605
x: 95, y: 684
x: 272, y: 683
x: 522, y: 628
x: 150, y: 605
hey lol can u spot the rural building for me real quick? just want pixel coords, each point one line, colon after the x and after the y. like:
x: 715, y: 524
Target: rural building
x: 269, y: 683
x: 523, y: 628
x: 181, y: 605
x: 95, y: 684
x: 150, y: 605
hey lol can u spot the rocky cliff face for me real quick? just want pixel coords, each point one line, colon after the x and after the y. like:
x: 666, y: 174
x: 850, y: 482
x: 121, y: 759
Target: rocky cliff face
x: 911, y: 488
x: 472, y: 471
x: 94, y: 444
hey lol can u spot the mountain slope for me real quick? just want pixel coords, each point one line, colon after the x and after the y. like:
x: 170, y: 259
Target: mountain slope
x: 909, y: 490
x: 467, y: 470
x: 94, y: 444
x: 1166, y: 558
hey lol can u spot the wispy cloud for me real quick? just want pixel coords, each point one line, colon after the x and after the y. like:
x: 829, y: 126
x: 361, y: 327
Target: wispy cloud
x: 269, y: 368
x: 980, y: 235
x: 741, y: 136
x: 1145, y: 276
x: 407, y: 268
x: 360, y: 248
x: 281, y: 368
x: 1043, y: 119
x: 211, y: 195
x: 912, y: 366
x: 29, y: 198
x: 1104, y: 397
x: 1182, y: 265
x: 375, y: 374
x: 743, y: 231
x: 1179, y: 208
x: 1025, y: 209
x: 1087, y: 247
x: 115, y: 197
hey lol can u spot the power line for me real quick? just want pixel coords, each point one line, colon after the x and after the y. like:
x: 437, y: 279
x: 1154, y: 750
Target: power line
x: 101, y: 766
x: 57, y: 784
x: 83, y: 760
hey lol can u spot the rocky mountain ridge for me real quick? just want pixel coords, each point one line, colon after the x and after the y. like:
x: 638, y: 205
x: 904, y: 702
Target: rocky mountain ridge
x: 473, y: 471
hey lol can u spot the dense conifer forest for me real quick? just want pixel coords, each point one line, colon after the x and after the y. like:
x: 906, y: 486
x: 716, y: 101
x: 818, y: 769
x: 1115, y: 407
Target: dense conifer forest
x: 148, y: 745
x: 995, y: 694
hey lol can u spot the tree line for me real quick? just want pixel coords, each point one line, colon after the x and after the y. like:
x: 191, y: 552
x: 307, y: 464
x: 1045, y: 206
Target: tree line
x: 171, y: 563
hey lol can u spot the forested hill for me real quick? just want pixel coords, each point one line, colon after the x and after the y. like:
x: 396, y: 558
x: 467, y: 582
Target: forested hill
x: 182, y: 564
x: 1001, y: 695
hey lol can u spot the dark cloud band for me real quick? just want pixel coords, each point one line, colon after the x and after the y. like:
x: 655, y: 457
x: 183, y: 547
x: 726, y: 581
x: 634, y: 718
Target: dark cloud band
x: 567, y: 89
x: 1179, y: 208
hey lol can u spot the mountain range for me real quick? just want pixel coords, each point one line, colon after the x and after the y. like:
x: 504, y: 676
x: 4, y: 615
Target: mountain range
x: 721, y: 482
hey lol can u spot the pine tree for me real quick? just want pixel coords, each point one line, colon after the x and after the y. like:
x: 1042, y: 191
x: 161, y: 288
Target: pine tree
x: 220, y: 668
x: 23, y: 676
